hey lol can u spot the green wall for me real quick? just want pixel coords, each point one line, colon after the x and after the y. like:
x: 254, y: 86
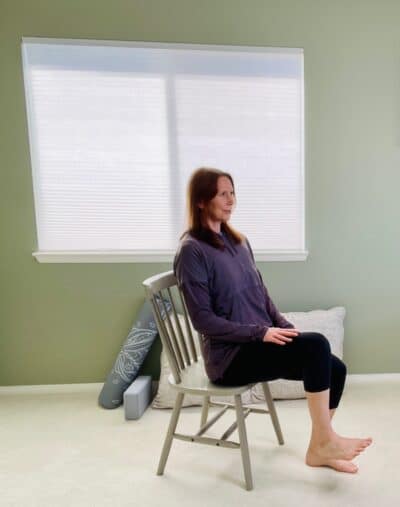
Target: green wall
x: 62, y: 323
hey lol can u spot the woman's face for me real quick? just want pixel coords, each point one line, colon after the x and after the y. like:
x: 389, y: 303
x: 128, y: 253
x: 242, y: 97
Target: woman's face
x: 220, y: 208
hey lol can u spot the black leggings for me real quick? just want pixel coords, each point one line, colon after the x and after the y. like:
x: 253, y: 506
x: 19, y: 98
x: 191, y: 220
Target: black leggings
x: 308, y: 357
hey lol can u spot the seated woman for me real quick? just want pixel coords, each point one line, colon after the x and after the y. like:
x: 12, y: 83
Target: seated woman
x: 244, y: 337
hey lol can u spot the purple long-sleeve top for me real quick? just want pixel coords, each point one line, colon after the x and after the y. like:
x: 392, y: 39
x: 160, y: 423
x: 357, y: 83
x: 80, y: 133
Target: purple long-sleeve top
x: 226, y: 298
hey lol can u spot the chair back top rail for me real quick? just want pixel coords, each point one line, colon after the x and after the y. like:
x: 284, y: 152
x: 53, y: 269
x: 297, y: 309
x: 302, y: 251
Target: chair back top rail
x: 158, y: 282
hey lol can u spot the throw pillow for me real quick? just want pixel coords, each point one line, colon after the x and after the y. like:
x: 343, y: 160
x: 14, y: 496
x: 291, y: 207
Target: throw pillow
x: 327, y: 322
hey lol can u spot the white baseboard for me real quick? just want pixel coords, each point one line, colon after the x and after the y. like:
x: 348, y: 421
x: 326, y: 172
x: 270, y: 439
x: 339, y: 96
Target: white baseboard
x: 96, y: 386
x: 377, y: 377
x: 52, y: 388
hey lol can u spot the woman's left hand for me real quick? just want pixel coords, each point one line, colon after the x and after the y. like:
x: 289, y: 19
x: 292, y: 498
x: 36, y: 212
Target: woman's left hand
x: 280, y: 335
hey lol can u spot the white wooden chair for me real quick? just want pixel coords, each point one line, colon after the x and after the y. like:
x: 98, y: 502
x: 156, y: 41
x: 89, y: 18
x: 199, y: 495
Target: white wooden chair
x: 189, y: 377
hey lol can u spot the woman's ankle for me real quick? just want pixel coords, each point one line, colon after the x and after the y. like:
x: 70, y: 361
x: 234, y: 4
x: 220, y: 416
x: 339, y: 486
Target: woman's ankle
x: 320, y: 438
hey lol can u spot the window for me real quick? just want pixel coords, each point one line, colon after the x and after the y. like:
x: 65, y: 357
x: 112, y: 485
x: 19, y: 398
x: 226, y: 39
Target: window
x: 117, y: 128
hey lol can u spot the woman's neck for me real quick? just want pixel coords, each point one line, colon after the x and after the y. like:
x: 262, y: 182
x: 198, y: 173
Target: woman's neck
x: 214, y: 226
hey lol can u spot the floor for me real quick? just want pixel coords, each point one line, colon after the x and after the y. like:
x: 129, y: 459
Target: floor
x: 58, y: 448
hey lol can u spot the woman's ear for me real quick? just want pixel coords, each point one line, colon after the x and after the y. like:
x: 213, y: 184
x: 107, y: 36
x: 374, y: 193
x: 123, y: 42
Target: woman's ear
x: 200, y: 205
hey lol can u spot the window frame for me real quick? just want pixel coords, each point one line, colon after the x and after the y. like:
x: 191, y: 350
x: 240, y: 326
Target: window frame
x: 148, y: 256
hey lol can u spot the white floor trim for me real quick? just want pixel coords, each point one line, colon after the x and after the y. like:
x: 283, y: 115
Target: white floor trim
x: 51, y: 388
x: 94, y: 386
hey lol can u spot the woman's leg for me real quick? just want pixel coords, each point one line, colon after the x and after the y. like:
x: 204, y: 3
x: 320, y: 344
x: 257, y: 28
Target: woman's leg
x: 307, y: 358
x: 327, y: 448
x: 324, y: 377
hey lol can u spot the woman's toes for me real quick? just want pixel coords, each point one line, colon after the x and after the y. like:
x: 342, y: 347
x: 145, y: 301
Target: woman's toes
x: 340, y: 465
x: 343, y: 466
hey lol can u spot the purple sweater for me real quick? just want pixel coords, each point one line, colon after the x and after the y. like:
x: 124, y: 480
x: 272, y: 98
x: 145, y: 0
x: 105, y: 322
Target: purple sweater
x: 226, y: 299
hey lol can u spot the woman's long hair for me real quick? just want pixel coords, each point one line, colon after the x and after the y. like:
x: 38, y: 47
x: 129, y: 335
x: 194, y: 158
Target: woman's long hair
x: 202, y: 188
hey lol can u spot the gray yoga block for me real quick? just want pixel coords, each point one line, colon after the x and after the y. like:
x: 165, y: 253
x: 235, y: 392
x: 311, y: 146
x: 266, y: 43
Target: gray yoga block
x: 137, y: 397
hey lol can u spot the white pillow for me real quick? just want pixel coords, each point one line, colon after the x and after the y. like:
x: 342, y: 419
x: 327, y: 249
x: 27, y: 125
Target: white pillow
x: 327, y: 322
x: 165, y: 397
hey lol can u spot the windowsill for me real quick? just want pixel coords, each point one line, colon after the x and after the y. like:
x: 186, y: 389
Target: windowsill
x: 127, y: 256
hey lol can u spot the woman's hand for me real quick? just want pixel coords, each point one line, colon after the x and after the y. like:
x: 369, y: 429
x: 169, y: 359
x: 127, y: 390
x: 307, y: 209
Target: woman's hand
x: 280, y: 335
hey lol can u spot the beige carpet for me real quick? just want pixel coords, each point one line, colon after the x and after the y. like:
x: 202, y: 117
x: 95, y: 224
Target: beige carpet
x: 58, y: 448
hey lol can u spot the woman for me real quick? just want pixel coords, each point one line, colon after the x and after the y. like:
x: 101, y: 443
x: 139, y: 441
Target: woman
x: 244, y: 337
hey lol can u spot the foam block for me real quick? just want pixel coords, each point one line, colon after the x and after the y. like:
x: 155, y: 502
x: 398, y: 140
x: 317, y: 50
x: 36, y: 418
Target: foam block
x: 137, y: 397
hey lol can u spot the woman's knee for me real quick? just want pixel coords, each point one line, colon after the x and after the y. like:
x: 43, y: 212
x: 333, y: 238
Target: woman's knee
x: 339, y: 369
x: 317, y: 362
x: 338, y: 379
x: 317, y: 342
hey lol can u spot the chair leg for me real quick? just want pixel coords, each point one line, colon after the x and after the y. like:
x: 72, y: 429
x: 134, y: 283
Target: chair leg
x: 272, y: 412
x: 244, y: 447
x: 204, y: 411
x: 170, y: 433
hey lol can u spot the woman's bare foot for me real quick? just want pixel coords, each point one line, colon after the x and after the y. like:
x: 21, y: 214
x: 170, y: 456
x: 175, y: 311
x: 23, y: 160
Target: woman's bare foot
x: 337, y: 448
x: 340, y: 465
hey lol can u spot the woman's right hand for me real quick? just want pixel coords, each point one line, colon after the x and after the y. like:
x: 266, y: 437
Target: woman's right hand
x: 280, y: 335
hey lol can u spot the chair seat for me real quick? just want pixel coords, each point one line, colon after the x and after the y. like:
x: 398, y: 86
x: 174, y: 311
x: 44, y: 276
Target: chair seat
x: 195, y: 381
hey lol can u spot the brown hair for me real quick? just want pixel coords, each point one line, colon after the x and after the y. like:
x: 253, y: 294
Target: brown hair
x: 202, y: 188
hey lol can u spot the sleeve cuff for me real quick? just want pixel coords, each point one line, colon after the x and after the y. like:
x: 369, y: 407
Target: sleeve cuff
x: 260, y: 333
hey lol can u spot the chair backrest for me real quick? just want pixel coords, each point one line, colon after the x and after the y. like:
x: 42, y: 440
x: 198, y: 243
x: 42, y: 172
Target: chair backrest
x: 167, y: 301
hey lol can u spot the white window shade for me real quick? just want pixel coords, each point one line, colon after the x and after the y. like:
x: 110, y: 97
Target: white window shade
x: 116, y: 130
